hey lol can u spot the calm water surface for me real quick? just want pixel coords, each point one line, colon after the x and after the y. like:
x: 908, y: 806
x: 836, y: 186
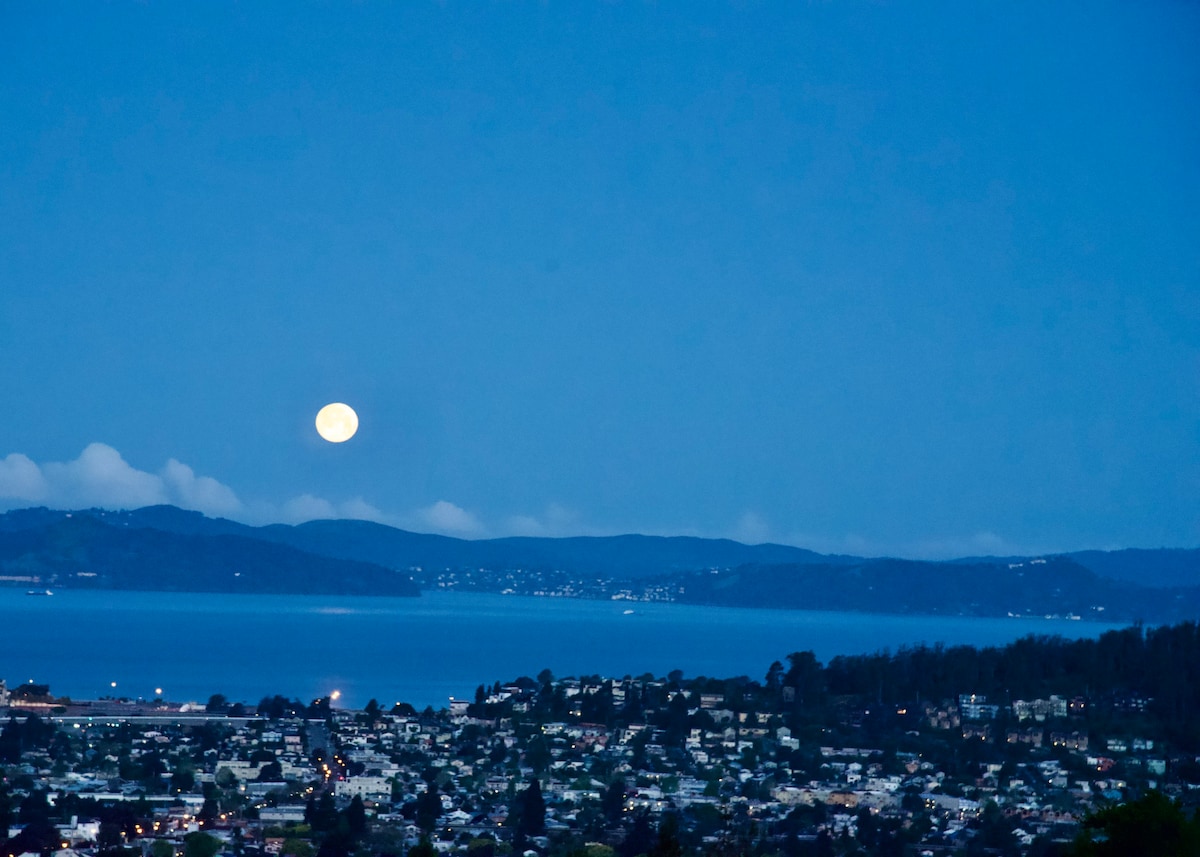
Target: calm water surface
x: 422, y: 650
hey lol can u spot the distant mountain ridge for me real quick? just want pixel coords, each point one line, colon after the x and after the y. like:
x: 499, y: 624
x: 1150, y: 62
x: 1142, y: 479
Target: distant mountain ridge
x: 1058, y: 586
x: 188, y: 550
x: 366, y: 541
x: 83, y: 550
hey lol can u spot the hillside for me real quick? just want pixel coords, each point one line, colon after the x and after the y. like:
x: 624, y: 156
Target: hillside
x: 1058, y: 586
x: 365, y: 541
x: 85, y: 551
x: 162, y: 547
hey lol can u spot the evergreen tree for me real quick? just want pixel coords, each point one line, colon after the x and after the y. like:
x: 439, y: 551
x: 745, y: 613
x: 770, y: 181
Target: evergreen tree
x: 612, y: 801
x: 668, y: 844
x: 429, y: 808
x: 356, y: 817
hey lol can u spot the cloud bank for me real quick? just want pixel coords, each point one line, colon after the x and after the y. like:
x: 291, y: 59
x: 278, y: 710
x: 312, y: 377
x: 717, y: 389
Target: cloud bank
x: 101, y: 478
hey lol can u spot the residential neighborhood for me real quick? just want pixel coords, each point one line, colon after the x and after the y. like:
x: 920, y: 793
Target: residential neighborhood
x: 590, y: 766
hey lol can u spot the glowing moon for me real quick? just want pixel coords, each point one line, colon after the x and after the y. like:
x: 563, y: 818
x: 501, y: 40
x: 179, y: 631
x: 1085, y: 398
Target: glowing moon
x: 336, y: 422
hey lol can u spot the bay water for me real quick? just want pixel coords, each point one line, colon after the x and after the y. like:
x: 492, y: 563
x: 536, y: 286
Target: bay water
x: 91, y: 644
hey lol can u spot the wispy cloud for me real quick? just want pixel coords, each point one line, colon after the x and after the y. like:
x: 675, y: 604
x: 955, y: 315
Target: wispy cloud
x: 981, y: 543
x: 752, y: 529
x: 555, y: 520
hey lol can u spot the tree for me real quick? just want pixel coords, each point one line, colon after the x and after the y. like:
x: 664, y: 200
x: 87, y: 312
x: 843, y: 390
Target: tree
x: 162, y: 848
x: 10, y: 741
x: 1152, y: 826
x: 35, y: 807
x: 676, y: 723
x: 6, y: 813
x: 640, y: 839
x: 668, y: 844
x: 612, y: 801
x: 217, y: 704
x: 321, y: 813
x: 429, y: 809
x: 805, y: 677
x: 201, y: 845
x: 183, y: 779
x: 109, y: 836
x: 775, y: 677
x: 208, y: 811
x: 356, y: 817
x: 995, y: 831
x: 537, y: 754
x: 38, y: 837
x: 529, y: 810
x: 481, y: 847
x: 293, y: 847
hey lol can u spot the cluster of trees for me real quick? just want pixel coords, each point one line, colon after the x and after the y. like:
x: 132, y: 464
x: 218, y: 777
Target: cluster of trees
x: 34, y: 734
x: 1158, y: 667
x: 36, y: 817
x: 338, y: 832
x: 277, y: 707
x: 1152, y: 825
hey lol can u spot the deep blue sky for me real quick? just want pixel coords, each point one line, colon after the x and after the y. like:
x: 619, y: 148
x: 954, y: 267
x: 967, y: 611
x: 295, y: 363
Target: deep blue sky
x: 863, y: 278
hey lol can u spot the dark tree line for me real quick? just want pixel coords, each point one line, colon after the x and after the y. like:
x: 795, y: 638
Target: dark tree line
x: 1160, y: 665
x: 1157, y: 667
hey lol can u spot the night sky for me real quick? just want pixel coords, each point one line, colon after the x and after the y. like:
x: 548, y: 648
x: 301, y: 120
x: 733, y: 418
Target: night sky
x: 920, y: 279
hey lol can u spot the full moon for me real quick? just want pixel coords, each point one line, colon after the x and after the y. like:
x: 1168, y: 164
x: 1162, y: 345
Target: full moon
x: 337, y: 422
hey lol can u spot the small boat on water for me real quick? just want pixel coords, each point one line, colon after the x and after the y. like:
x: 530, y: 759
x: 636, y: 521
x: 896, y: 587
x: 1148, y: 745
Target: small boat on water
x: 39, y: 592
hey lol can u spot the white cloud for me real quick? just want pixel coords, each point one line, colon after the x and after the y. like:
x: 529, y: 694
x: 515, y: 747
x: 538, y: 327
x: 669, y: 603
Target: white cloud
x: 306, y: 507
x: 445, y: 517
x: 360, y: 510
x: 100, y: 477
x: 21, y: 479
x: 199, y: 492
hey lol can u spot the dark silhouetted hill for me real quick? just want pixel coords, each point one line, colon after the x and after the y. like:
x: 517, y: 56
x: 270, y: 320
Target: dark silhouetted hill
x: 82, y: 550
x: 162, y: 547
x: 1057, y: 586
x: 365, y: 541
